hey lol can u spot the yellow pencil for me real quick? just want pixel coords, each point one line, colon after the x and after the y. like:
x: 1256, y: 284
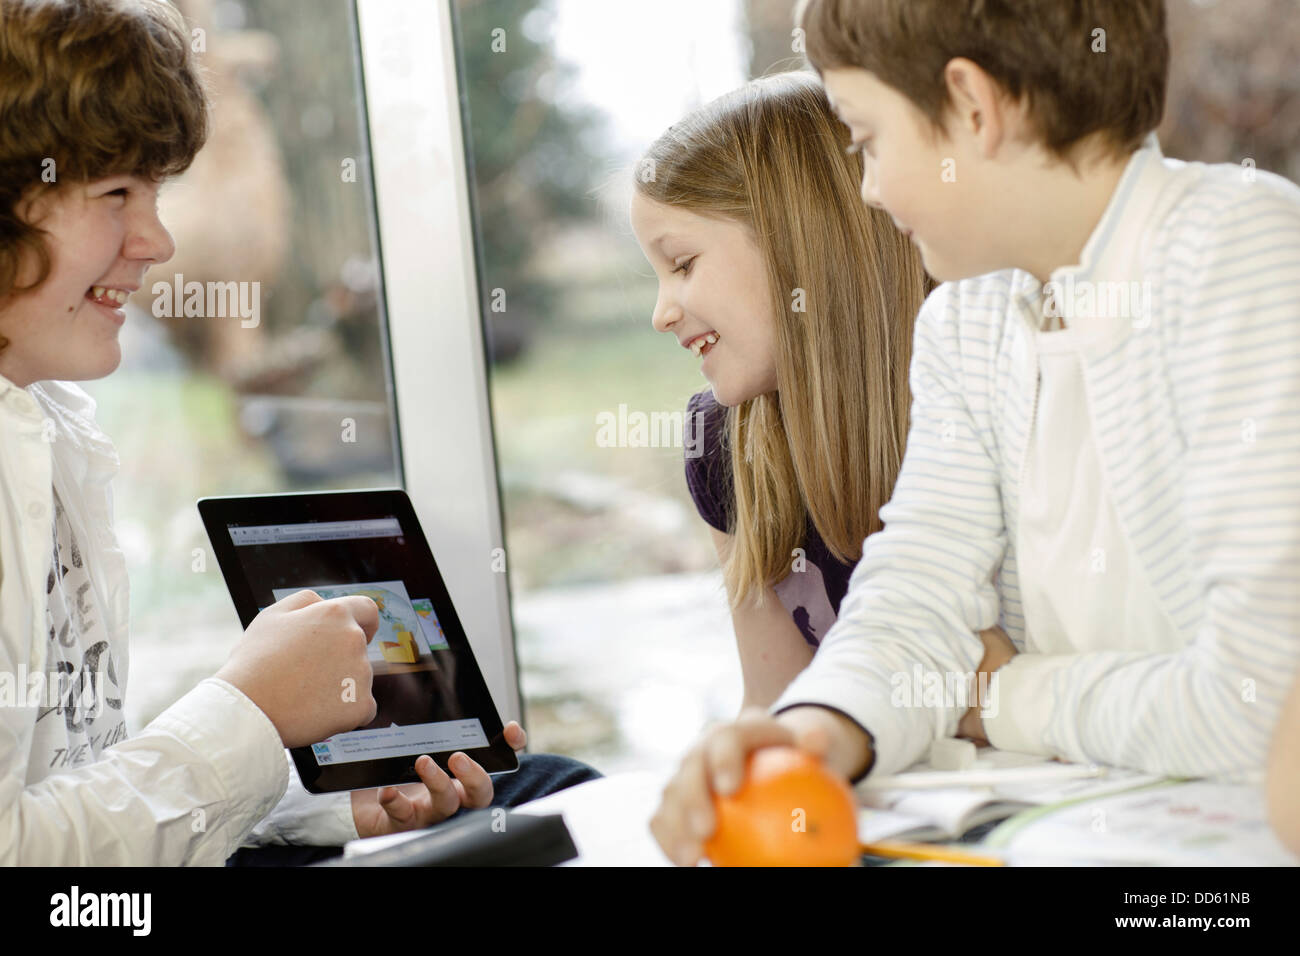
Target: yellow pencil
x: 928, y: 851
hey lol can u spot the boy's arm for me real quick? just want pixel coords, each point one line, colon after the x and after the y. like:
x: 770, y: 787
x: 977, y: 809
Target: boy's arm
x: 306, y: 819
x: 1231, y: 304
x: 925, y: 583
x: 185, y: 790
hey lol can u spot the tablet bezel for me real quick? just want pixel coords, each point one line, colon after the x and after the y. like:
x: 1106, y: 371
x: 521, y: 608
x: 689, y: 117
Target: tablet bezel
x: 218, y: 513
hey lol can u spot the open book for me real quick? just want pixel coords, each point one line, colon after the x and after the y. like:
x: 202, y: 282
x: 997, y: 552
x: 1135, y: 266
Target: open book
x: 1006, y: 786
x: 1173, y: 823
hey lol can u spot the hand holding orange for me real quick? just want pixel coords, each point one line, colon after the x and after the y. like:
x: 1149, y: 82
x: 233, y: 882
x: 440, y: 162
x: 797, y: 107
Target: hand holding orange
x: 789, y: 811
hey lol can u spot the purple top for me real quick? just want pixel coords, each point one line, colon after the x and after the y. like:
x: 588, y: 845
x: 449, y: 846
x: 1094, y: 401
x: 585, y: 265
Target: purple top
x: 812, y: 596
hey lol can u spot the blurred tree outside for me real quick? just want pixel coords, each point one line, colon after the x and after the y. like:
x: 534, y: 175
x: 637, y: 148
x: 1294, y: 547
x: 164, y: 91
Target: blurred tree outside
x: 531, y: 159
x: 1234, y: 85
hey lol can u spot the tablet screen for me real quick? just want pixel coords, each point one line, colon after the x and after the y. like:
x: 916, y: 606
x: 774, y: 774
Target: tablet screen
x: 431, y: 696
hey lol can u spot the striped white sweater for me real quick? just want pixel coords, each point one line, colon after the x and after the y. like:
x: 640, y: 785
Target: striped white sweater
x: 1195, y: 407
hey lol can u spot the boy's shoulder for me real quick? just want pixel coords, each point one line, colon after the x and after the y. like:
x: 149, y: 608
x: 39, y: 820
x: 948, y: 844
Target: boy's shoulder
x: 992, y: 292
x: 70, y: 410
x: 975, y: 309
x: 1229, y: 209
x: 1218, y: 206
x: 1228, y: 181
x: 66, y: 403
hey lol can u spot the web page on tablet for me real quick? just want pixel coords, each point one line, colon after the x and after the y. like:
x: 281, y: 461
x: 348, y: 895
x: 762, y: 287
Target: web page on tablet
x: 413, y: 663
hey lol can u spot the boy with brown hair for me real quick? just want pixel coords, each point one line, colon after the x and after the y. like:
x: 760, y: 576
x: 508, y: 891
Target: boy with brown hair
x: 1104, y: 444
x: 101, y: 102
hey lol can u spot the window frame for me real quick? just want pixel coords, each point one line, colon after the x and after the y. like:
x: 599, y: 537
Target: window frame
x: 427, y: 256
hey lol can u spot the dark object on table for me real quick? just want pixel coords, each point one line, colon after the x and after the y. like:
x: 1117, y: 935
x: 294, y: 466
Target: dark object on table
x: 489, y: 837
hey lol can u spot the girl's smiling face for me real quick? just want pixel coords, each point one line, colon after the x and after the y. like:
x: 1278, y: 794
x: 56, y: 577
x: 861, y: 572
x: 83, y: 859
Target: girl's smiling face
x: 101, y: 236
x: 713, y: 295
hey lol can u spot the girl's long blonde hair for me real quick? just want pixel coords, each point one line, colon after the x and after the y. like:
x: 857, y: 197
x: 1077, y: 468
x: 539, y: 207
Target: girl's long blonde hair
x: 829, y: 442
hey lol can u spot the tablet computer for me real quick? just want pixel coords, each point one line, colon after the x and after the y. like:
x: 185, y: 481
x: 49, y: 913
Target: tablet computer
x: 431, y: 695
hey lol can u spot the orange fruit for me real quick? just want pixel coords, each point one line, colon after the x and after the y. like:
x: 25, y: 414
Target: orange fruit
x: 789, y: 811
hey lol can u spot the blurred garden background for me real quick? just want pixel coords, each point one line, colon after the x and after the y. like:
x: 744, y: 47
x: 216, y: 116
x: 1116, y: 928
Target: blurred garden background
x: 553, y: 124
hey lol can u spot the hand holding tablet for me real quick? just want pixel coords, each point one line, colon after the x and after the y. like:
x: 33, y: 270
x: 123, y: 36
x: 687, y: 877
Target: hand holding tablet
x: 362, y: 556
x: 414, y: 806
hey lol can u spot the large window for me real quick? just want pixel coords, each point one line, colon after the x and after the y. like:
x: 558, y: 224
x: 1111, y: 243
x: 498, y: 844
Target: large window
x: 284, y: 386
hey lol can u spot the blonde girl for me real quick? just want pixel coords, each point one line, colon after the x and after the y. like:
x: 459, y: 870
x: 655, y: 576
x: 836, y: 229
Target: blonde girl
x: 799, y: 301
